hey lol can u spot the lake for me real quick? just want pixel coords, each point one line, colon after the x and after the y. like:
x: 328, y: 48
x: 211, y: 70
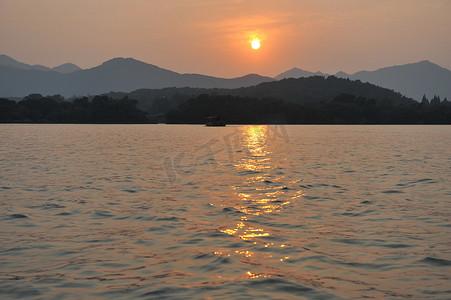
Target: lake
x: 236, y: 212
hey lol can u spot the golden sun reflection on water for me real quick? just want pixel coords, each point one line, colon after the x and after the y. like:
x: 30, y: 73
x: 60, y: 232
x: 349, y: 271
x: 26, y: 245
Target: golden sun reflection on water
x: 253, y: 275
x: 260, y: 192
x: 255, y: 140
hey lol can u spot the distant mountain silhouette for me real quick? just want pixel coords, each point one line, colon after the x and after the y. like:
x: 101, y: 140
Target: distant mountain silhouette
x: 298, y: 73
x: 10, y: 62
x: 342, y: 74
x: 118, y: 74
x: 412, y: 80
x: 7, y: 61
x: 127, y: 74
x: 66, y: 68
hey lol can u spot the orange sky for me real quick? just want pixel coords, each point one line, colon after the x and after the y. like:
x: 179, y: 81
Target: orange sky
x: 213, y: 36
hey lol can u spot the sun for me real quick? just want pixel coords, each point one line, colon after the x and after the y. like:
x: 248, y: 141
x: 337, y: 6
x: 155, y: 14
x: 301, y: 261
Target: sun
x: 255, y: 44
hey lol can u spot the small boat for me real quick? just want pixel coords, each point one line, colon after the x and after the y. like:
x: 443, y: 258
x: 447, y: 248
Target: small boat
x: 214, y: 121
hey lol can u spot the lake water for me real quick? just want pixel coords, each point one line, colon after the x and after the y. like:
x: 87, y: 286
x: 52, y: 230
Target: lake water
x: 239, y: 212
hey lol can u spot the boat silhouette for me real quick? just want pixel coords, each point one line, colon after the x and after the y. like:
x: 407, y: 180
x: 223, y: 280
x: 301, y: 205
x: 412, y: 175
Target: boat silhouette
x: 214, y: 121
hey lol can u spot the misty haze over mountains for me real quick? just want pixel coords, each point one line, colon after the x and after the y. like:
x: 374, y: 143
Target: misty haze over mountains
x: 126, y: 74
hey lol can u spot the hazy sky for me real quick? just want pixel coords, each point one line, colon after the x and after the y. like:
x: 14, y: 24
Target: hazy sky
x: 213, y: 36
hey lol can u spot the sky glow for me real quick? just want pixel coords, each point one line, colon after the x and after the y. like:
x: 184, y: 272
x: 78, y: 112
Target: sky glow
x: 212, y: 36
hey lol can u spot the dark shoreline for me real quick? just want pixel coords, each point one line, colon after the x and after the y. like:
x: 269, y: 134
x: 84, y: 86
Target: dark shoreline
x: 345, y: 109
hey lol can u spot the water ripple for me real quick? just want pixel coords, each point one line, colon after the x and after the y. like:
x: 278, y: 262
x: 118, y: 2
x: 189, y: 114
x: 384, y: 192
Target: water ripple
x: 155, y: 212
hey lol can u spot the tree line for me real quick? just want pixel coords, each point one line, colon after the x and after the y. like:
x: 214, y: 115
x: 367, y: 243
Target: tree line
x: 36, y: 108
x: 343, y: 109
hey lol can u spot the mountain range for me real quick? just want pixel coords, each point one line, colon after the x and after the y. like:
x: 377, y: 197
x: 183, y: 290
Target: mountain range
x: 18, y: 79
x: 10, y: 62
x: 412, y: 80
x: 118, y: 74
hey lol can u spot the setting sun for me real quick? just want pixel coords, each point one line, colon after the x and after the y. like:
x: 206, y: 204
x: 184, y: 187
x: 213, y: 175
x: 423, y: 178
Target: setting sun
x: 256, y: 44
